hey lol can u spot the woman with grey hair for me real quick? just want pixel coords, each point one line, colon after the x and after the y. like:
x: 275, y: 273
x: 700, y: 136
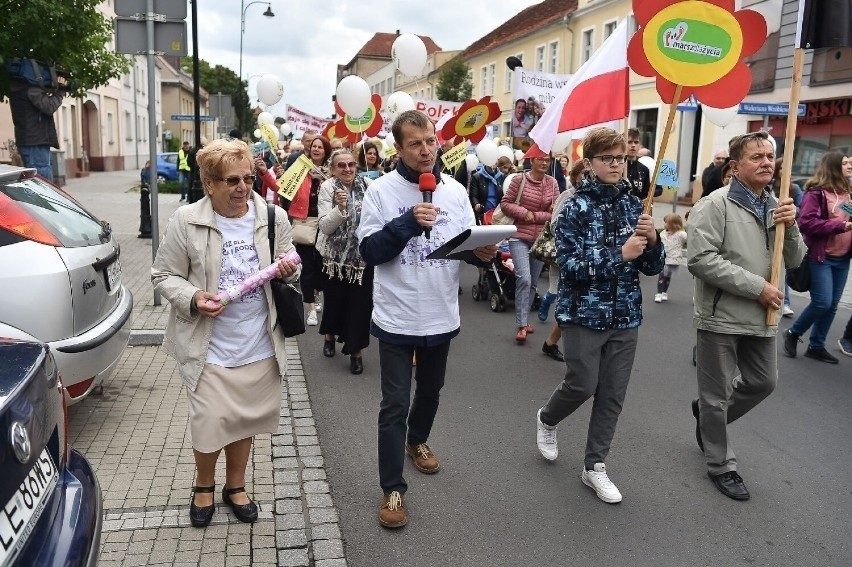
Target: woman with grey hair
x: 231, y: 358
x: 347, y: 280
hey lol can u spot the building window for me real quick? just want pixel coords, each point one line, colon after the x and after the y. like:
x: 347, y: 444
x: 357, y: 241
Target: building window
x: 110, y: 128
x: 510, y: 76
x: 588, y: 45
x: 507, y: 128
x: 608, y: 28
x: 128, y: 126
x: 483, y: 86
x: 492, y: 78
x: 646, y: 122
x: 539, y: 58
x: 831, y: 65
x: 553, y: 57
x: 763, y: 63
x: 632, y: 24
x: 126, y: 78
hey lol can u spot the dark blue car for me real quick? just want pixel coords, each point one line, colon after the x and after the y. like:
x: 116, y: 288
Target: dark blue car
x: 51, y: 500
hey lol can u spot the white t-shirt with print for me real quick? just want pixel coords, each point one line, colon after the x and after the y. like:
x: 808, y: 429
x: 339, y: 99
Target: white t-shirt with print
x: 239, y: 333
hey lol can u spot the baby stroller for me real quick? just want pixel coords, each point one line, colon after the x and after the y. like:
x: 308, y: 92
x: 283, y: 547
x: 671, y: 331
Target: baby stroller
x: 496, y: 282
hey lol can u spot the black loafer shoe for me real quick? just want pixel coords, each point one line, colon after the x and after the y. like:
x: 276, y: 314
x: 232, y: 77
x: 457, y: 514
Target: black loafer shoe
x: 731, y: 485
x: 697, y: 425
x: 200, y: 516
x: 244, y: 512
x: 553, y: 351
x: 791, y: 341
x: 356, y: 365
x: 328, y: 348
x: 822, y: 355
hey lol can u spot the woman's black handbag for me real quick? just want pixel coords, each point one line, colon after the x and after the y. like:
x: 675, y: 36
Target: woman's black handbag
x: 799, y: 278
x: 288, y: 300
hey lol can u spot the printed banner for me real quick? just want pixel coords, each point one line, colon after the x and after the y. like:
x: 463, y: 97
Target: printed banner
x: 455, y: 156
x: 533, y: 92
x: 302, y: 121
x: 289, y: 183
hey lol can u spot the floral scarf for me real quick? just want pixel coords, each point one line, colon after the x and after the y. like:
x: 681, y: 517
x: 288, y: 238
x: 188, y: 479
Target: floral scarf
x: 343, y: 259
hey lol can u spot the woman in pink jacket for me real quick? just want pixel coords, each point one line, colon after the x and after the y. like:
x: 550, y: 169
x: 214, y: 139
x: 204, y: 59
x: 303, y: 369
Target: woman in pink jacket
x: 538, y: 191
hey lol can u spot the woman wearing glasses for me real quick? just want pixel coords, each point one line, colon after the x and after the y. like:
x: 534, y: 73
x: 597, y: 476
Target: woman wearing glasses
x: 826, y: 226
x: 230, y: 359
x: 529, y: 201
x: 347, y: 280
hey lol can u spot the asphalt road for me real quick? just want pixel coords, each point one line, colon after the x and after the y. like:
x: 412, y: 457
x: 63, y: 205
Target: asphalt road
x: 497, y: 502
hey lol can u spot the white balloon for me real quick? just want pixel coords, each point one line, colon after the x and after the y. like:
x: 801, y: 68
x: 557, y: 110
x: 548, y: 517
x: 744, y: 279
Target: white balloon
x: 471, y: 161
x: 353, y: 96
x: 257, y: 133
x: 285, y: 129
x: 398, y: 103
x: 265, y: 118
x: 486, y: 151
x: 773, y: 142
x: 519, y: 155
x: 560, y: 142
x: 648, y: 162
x: 409, y: 54
x: 270, y: 89
x: 390, y: 140
x: 505, y: 151
x: 720, y: 116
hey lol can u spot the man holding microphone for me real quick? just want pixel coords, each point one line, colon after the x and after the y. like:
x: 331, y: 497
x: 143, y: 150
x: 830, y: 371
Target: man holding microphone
x: 415, y: 300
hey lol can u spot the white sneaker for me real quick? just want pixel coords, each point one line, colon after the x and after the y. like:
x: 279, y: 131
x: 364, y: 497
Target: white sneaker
x: 545, y: 438
x: 664, y: 296
x: 599, y: 481
x: 312, y: 319
x: 658, y: 298
x: 787, y: 312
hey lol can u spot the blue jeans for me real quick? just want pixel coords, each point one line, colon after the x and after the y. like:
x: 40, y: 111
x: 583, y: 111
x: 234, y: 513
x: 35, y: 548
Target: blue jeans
x: 183, y: 182
x: 827, y: 282
x: 39, y: 158
x: 527, y: 271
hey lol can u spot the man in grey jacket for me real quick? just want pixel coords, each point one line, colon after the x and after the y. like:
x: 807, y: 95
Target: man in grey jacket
x: 731, y: 235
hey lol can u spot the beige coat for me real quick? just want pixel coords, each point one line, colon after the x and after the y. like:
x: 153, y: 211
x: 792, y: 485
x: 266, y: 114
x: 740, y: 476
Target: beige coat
x: 189, y: 260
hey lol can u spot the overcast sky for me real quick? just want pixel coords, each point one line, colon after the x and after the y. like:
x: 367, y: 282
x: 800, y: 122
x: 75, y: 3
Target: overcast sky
x: 307, y: 39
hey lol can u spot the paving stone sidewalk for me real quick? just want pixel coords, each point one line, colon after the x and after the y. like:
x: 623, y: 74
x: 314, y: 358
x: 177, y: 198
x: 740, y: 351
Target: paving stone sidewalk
x: 136, y: 436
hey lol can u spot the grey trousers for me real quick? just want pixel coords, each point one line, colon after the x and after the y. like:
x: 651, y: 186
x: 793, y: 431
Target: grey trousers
x: 723, y: 395
x: 598, y: 364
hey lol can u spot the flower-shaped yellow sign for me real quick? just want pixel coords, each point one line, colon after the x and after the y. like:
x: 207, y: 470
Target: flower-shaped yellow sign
x: 698, y: 44
x: 470, y: 121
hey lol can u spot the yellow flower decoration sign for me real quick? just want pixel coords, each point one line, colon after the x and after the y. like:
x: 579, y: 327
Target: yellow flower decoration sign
x: 470, y: 121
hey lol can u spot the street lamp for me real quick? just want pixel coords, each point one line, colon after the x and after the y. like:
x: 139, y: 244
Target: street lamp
x: 243, y: 7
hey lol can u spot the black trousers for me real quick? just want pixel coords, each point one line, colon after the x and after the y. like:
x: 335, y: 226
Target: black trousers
x: 311, y: 271
x: 347, y: 311
x: 396, y: 371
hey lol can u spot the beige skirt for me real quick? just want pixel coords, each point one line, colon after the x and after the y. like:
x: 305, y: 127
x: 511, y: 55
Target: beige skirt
x: 230, y: 404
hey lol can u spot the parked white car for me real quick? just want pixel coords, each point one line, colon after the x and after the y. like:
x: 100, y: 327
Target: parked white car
x: 60, y: 280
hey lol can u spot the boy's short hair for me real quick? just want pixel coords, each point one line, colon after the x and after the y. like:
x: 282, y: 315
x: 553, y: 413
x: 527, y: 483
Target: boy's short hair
x: 600, y: 139
x: 633, y: 133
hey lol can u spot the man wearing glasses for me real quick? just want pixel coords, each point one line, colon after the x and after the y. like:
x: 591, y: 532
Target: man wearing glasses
x: 731, y: 235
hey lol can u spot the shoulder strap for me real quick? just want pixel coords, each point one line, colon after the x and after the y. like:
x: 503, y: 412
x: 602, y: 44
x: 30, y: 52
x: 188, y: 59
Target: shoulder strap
x: 521, y: 188
x: 270, y: 211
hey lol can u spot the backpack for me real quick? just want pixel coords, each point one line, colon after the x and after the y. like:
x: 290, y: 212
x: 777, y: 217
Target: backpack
x: 33, y: 72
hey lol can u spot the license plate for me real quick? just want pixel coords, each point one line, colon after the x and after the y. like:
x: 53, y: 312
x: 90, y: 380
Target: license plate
x: 21, y: 512
x: 113, y: 275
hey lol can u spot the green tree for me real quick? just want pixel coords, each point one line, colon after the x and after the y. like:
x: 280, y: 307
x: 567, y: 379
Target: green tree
x: 454, y: 81
x: 221, y: 79
x: 72, y: 34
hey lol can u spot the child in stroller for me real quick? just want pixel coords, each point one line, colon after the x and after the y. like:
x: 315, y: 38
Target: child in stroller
x: 496, y: 282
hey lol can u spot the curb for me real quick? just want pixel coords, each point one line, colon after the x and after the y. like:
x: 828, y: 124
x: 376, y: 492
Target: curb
x: 143, y: 337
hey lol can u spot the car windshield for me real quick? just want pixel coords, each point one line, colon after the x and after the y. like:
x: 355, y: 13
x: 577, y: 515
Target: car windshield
x: 70, y: 223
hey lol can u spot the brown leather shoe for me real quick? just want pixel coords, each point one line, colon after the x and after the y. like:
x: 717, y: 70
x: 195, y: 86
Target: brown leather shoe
x: 530, y: 329
x: 423, y: 457
x: 521, y: 337
x: 392, y: 512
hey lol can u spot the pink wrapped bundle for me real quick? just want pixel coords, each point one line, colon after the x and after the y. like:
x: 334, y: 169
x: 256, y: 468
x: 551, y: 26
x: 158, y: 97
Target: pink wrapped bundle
x: 255, y: 280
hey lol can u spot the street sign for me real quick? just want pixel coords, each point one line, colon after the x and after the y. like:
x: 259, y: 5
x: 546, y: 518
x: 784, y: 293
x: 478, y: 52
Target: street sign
x: 168, y: 8
x: 689, y: 105
x: 191, y: 117
x: 768, y: 108
x: 131, y: 37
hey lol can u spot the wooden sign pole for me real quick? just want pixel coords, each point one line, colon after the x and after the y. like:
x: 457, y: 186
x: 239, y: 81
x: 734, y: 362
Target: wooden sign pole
x: 649, y: 200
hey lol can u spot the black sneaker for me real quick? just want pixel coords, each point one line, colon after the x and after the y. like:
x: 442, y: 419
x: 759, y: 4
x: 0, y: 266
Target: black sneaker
x: 553, y: 351
x: 791, y: 341
x: 821, y: 354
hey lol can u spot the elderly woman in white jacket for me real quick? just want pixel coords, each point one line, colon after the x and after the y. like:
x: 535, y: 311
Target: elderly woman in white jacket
x: 346, y: 279
x: 231, y: 358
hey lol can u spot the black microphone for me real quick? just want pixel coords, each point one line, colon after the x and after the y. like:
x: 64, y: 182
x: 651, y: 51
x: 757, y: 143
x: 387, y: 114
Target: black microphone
x: 427, y: 187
